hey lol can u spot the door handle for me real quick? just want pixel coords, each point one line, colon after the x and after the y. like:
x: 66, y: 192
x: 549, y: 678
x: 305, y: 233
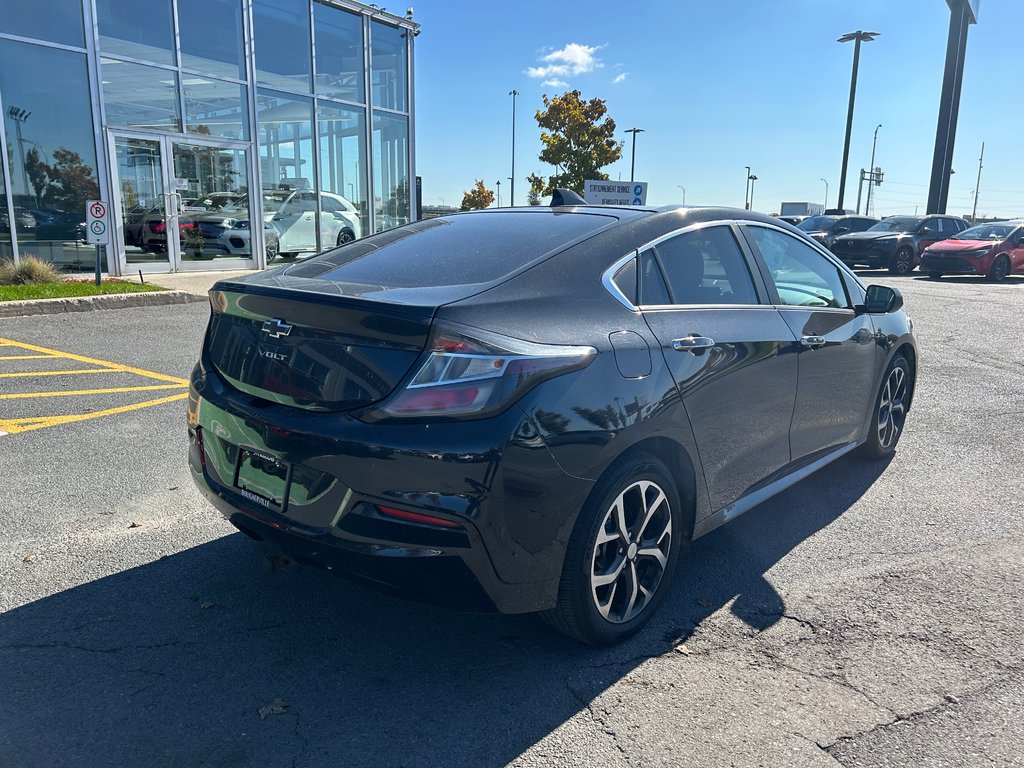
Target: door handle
x: 812, y: 341
x: 692, y: 343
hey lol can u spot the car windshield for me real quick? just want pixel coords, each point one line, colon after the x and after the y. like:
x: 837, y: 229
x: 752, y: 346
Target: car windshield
x: 986, y: 232
x: 897, y: 224
x: 817, y: 223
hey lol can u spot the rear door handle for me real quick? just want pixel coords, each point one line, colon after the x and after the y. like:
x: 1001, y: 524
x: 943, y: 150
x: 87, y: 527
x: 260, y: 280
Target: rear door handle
x: 812, y: 341
x: 691, y: 343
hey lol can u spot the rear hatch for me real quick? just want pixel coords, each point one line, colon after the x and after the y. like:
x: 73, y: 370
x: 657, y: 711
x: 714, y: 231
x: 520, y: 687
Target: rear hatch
x: 311, y: 350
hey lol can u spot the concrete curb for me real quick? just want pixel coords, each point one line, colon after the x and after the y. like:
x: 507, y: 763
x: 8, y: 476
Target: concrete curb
x: 93, y: 303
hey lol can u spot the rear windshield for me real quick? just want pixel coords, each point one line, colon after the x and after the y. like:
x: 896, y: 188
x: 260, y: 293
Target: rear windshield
x: 896, y: 224
x: 452, y: 250
x: 817, y: 223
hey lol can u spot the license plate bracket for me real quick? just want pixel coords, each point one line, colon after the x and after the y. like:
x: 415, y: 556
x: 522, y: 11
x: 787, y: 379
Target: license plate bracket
x: 263, y: 478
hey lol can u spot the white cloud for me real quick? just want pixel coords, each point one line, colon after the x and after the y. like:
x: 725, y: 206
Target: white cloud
x: 619, y: 78
x: 573, y: 59
x: 555, y: 83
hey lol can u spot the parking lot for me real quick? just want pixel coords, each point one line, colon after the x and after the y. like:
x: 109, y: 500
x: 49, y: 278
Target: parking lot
x: 869, y: 616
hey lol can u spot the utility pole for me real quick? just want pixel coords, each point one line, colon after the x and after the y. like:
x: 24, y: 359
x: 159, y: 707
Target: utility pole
x: 632, y: 165
x: 498, y: 183
x: 751, y: 203
x: 19, y: 116
x: 977, y: 186
x: 512, y: 191
x: 858, y: 37
x: 746, y: 189
x: 871, y: 169
x: 825, y: 206
x: 684, y: 192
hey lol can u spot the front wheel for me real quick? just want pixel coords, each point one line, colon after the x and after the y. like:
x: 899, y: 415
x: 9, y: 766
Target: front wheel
x: 999, y: 270
x: 622, y: 553
x: 902, y: 262
x: 890, y: 413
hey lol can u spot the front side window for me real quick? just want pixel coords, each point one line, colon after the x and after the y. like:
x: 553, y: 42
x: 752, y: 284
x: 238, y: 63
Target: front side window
x: 706, y: 266
x: 802, y: 276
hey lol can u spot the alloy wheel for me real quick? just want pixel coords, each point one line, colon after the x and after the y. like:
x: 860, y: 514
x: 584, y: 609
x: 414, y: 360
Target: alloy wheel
x: 903, y: 261
x: 892, y: 409
x: 1000, y: 270
x: 631, y: 552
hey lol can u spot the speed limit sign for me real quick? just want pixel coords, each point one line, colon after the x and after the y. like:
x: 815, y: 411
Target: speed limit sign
x: 97, y: 222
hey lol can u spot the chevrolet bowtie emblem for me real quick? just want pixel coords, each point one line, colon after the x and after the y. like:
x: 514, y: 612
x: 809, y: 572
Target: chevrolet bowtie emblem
x: 275, y: 328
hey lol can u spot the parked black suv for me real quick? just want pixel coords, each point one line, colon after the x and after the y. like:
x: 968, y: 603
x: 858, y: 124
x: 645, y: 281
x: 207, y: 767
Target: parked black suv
x: 825, y: 229
x: 896, y: 242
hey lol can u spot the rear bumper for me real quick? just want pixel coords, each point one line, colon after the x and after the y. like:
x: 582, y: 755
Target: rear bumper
x: 514, y: 507
x: 872, y: 256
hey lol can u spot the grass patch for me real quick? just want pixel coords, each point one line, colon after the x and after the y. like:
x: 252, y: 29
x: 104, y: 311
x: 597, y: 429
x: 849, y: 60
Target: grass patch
x: 71, y: 288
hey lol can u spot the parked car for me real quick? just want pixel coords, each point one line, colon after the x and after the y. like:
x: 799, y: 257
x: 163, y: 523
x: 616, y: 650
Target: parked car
x: 994, y: 250
x: 23, y: 220
x: 146, y: 228
x: 65, y: 227
x: 793, y: 220
x: 289, y: 223
x: 896, y: 242
x: 542, y: 404
x: 825, y: 229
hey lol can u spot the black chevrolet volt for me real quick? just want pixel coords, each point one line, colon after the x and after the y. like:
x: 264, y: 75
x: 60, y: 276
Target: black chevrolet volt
x: 537, y: 409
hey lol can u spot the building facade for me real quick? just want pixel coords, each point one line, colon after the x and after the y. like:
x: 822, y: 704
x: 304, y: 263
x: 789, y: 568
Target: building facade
x: 196, y: 118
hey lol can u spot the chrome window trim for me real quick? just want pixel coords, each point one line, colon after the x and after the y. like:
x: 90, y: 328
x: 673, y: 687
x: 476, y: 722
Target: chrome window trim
x: 607, y: 279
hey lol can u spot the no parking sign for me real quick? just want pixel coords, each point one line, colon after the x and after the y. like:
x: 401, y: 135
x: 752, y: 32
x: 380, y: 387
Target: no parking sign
x: 97, y: 223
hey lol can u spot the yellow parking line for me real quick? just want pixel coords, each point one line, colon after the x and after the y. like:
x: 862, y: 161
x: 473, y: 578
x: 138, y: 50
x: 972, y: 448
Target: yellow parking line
x: 107, y: 391
x: 94, y: 361
x: 25, y: 357
x: 58, y: 373
x: 13, y: 426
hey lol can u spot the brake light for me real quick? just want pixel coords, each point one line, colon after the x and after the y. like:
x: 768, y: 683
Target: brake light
x: 469, y: 373
x: 415, y: 517
x: 157, y: 226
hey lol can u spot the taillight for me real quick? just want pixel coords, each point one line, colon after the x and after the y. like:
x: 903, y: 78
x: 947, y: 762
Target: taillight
x: 470, y: 373
x: 157, y: 226
x: 415, y: 517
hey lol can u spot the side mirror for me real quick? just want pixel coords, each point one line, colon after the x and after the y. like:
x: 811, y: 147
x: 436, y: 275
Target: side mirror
x: 881, y: 299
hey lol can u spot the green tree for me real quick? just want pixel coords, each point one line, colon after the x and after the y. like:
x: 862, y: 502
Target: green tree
x: 478, y: 198
x: 71, y: 181
x: 578, y: 140
x: 36, y: 170
x: 536, y: 188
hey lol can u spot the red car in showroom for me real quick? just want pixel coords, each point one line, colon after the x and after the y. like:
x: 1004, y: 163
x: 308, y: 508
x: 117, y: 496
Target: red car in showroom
x: 994, y: 250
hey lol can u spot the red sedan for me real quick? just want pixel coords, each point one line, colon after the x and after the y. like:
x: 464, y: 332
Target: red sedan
x: 994, y: 250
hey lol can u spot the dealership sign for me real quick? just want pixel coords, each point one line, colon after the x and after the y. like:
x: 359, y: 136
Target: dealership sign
x: 597, y: 192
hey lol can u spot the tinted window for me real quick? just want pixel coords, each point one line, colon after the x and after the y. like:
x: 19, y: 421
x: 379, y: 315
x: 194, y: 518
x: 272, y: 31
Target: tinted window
x: 210, y: 32
x: 653, y: 291
x: 897, y: 224
x: 56, y: 20
x: 859, y: 225
x: 802, y: 276
x: 706, y: 267
x: 283, y: 48
x: 625, y: 281
x: 452, y: 250
x: 818, y: 223
x: 141, y: 29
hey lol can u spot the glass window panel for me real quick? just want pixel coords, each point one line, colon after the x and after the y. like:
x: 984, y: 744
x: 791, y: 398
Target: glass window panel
x: 141, y: 29
x: 211, y: 38
x: 391, y: 170
x: 137, y: 96
x: 707, y: 267
x: 802, y: 276
x: 59, y: 21
x: 215, y: 108
x: 342, y: 165
x: 287, y: 173
x: 283, y: 48
x: 213, y: 183
x: 339, y: 52
x: 51, y: 150
x: 139, y: 176
x: 389, y: 67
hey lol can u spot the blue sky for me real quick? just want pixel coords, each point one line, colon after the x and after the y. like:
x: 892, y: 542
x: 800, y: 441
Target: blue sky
x: 720, y: 85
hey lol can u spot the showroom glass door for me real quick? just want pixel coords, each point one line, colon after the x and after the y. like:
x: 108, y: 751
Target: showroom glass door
x: 181, y: 205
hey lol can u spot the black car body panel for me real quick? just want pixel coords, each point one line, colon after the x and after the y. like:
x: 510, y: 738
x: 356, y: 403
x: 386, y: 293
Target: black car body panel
x: 319, y: 475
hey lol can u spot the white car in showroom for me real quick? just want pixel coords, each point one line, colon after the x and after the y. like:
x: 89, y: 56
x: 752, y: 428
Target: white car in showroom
x: 289, y: 224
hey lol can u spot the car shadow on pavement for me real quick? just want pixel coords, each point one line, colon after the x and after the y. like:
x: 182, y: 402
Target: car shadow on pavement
x: 222, y: 655
x: 883, y: 274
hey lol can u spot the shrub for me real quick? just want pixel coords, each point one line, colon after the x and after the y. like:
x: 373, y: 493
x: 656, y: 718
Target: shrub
x: 31, y: 270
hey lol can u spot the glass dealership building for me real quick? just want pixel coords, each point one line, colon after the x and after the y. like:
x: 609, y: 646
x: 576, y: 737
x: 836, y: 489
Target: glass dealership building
x: 195, y: 118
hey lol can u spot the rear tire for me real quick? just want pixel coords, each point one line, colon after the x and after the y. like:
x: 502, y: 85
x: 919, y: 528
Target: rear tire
x: 902, y: 262
x: 622, y: 554
x: 999, y: 270
x: 890, y: 410
x: 346, y: 236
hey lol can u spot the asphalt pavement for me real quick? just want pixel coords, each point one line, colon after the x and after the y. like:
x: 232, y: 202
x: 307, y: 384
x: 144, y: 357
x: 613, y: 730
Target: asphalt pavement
x: 872, y: 615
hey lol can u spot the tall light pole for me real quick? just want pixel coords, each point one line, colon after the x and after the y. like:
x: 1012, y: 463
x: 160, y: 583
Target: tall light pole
x: 871, y: 170
x: 746, y: 189
x: 684, y: 192
x: 750, y: 205
x: 498, y: 182
x: 632, y: 165
x: 977, y: 186
x: 825, y: 207
x: 858, y: 37
x: 512, y: 190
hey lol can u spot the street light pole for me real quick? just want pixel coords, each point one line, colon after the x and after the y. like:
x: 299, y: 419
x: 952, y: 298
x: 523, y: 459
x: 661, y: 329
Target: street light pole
x: 858, y: 37
x: 684, y: 192
x: 19, y: 116
x: 977, y: 186
x: 825, y: 207
x: 498, y: 182
x: 512, y: 191
x: 746, y: 189
x: 632, y: 165
x: 871, y: 170
x: 751, y: 203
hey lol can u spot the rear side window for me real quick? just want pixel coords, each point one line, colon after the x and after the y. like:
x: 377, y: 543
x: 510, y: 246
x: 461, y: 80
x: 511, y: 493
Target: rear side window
x: 452, y: 250
x: 706, y: 266
x: 653, y: 291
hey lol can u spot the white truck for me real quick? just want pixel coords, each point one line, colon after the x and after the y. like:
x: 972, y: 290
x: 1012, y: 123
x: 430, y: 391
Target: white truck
x: 801, y: 209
